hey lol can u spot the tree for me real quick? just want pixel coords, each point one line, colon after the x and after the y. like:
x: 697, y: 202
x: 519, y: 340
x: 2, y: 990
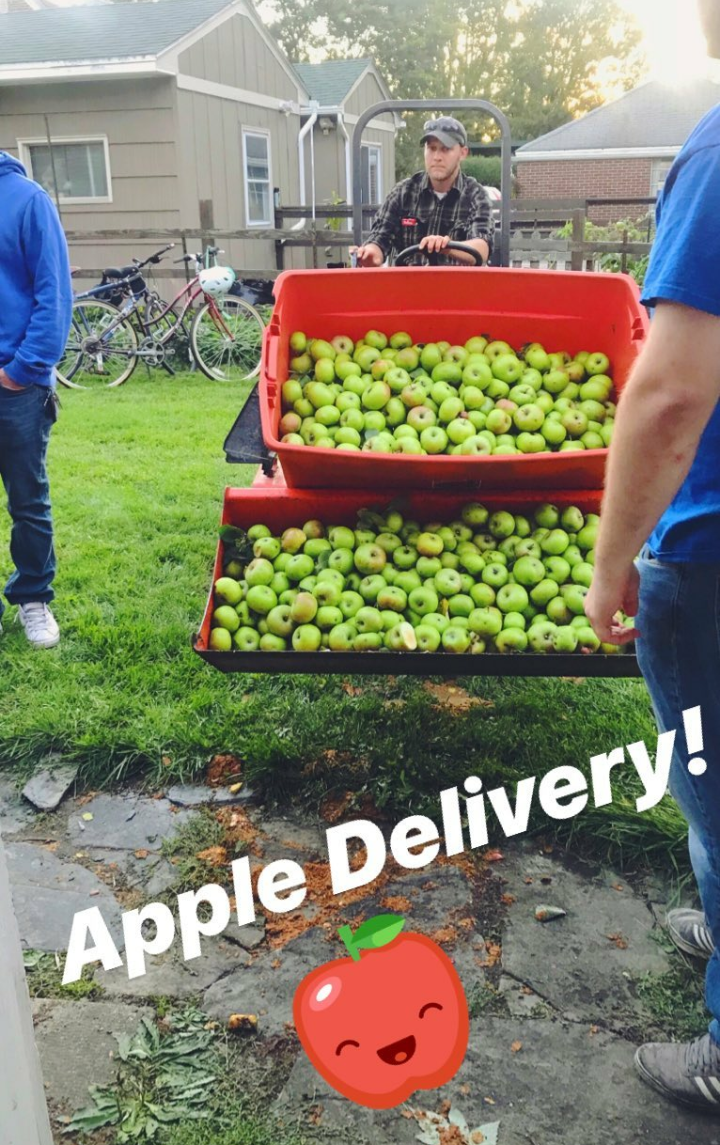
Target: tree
x: 540, y: 61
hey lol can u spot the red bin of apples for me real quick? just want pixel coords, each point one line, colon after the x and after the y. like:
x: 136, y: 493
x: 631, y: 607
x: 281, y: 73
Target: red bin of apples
x: 436, y: 377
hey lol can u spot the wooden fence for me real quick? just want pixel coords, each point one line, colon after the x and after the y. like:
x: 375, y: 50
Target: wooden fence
x: 534, y: 239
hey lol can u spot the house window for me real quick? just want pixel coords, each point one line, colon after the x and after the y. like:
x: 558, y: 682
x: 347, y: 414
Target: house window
x: 659, y: 173
x: 81, y: 168
x: 258, y: 180
x: 371, y: 167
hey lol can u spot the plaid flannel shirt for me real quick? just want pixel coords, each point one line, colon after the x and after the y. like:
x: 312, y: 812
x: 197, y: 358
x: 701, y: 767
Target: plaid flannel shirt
x: 412, y: 210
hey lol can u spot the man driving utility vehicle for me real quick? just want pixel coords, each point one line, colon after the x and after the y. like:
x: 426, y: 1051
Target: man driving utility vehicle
x: 434, y: 207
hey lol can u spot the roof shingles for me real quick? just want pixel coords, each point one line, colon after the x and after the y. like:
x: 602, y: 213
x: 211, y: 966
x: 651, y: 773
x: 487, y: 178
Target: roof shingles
x: 651, y: 115
x: 330, y: 81
x: 99, y: 32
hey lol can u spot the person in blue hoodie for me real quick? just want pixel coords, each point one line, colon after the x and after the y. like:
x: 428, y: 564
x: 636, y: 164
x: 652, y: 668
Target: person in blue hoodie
x: 35, y: 316
x: 662, y: 499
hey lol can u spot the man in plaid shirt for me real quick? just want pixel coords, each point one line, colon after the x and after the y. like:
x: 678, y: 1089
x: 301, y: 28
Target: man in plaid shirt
x: 434, y: 207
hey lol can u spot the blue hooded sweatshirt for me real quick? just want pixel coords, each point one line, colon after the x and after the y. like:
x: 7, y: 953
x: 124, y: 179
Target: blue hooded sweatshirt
x: 35, y: 289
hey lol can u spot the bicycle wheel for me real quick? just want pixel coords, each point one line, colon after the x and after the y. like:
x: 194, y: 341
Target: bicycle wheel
x: 101, y: 349
x: 226, y: 339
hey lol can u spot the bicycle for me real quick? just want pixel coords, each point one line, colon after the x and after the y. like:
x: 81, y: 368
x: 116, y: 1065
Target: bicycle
x: 121, y: 321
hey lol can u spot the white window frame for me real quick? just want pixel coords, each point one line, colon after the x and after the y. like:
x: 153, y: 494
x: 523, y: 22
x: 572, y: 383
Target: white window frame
x: 657, y: 163
x: 24, y: 146
x: 377, y: 147
x: 267, y: 136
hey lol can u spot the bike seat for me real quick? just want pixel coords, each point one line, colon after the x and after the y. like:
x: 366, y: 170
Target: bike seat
x: 119, y: 272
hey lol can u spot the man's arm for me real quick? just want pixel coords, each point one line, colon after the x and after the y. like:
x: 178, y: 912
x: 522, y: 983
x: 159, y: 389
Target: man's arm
x: 661, y: 416
x: 479, y: 228
x: 46, y: 258
x: 439, y: 242
x: 380, y: 241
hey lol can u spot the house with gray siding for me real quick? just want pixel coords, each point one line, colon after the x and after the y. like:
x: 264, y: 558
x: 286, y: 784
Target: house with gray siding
x: 179, y: 114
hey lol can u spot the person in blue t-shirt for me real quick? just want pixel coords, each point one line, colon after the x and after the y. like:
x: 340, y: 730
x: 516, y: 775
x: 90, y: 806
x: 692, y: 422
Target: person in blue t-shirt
x: 662, y: 499
x: 35, y: 316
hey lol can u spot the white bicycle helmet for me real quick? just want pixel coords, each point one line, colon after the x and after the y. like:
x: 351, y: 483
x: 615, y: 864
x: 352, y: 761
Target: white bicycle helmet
x: 216, y: 280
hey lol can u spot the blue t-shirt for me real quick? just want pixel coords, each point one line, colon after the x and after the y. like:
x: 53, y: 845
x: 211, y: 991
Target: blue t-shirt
x: 685, y: 267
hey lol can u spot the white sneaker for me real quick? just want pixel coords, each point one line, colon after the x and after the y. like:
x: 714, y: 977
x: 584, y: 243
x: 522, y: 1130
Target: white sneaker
x: 41, y: 627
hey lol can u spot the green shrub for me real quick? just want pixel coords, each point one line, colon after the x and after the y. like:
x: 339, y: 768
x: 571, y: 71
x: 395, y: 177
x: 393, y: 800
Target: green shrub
x: 486, y: 169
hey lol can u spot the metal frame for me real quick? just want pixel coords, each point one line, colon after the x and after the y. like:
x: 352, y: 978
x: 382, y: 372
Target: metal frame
x: 596, y: 665
x: 394, y: 105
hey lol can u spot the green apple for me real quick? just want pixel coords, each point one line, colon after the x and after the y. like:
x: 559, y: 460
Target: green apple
x: 303, y: 608
x: 511, y: 640
x: 221, y: 640
x: 597, y: 363
x: 587, y: 536
x: 528, y: 570
x: 280, y: 583
x: 495, y: 574
x: 456, y: 640
x: 447, y: 371
x: 558, y: 611
x: 555, y: 381
x: 401, y: 638
x: 512, y: 598
x: 528, y: 547
x: 528, y: 418
x: 460, y: 430
x: 370, y: 586
x: 460, y: 605
x: 574, y: 597
x: 495, y: 348
x: 327, y: 592
x: 434, y: 439
x: 259, y: 571
x: 448, y: 582
x: 428, y: 638
x: 430, y: 356
x: 565, y: 639
x: 541, y: 594
x: 582, y: 573
x: 368, y: 619
x: 279, y: 620
x: 226, y: 617
x: 299, y: 566
x: 501, y: 524
x: 555, y: 542
x: 420, y: 418
x: 228, y: 591
x: 306, y: 638
x: 529, y: 443
x: 483, y: 595
x: 246, y: 639
x: 474, y: 515
x: 537, y: 358
x: 540, y: 636
x: 341, y: 638
x: 392, y: 599
x: 261, y: 598
x: 405, y: 557
x: 557, y: 568
x: 587, y: 640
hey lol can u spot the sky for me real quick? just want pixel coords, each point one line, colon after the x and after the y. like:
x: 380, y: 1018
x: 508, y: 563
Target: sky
x: 673, y: 39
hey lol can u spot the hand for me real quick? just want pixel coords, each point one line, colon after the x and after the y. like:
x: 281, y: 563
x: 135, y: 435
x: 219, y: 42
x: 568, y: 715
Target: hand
x: 606, y: 598
x: 434, y: 243
x: 368, y: 255
x: 7, y: 383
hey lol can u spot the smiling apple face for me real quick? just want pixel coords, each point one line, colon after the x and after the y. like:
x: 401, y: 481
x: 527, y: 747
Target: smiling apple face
x: 382, y: 1027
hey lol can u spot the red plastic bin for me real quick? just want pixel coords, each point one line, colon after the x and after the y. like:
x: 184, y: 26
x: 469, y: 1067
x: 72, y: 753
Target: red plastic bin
x: 271, y: 504
x: 564, y: 310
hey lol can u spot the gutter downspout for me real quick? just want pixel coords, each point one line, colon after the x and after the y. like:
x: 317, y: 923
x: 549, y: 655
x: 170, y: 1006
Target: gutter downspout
x: 314, y: 107
x: 348, y: 159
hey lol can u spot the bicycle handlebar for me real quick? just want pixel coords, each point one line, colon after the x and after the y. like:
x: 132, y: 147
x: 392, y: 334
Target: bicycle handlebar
x: 154, y: 258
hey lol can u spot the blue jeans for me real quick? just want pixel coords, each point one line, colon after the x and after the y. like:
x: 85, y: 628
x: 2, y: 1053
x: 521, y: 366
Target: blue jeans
x: 25, y: 420
x: 679, y: 655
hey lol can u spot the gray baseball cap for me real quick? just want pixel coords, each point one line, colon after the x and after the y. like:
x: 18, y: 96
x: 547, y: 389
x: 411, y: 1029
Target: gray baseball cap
x: 449, y: 131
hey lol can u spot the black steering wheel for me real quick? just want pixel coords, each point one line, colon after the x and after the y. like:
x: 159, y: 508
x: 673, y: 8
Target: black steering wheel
x: 433, y: 256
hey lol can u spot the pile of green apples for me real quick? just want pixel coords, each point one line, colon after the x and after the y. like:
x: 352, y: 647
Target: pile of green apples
x: 488, y: 581
x: 390, y: 395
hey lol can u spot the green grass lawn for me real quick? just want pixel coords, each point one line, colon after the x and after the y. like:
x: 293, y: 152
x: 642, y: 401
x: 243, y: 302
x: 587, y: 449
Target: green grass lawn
x: 137, y: 484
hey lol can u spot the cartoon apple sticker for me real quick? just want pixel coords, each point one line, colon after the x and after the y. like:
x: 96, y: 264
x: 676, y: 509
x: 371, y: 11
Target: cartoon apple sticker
x: 386, y: 1021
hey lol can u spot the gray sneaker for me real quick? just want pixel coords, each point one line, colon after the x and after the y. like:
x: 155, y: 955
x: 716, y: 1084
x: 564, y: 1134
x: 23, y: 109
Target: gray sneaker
x: 688, y: 1074
x: 690, y: 932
